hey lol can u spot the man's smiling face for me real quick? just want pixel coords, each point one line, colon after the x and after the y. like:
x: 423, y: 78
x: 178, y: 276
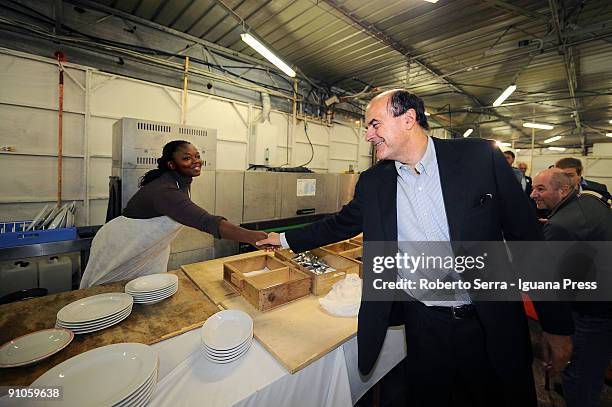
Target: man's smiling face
x: 385, y: 131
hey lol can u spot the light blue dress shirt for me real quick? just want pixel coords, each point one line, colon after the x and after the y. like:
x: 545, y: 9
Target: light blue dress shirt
x: 421, y: 217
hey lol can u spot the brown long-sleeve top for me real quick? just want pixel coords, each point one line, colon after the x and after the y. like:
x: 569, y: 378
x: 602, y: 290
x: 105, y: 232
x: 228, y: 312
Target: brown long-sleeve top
x: 169, y: 195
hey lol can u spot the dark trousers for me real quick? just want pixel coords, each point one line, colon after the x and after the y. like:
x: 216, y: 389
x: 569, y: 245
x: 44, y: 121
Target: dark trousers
x: 584, y: 377
x: 447, y: 364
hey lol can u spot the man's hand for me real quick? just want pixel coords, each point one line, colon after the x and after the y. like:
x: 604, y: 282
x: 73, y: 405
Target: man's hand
x: 272, y: 242
x: 556, y: 350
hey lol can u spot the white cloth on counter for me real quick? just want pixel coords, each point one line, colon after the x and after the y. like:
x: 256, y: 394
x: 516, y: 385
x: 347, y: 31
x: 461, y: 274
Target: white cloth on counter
x: 344, y: 298
x: 256, y: 379
x: 127, y: 248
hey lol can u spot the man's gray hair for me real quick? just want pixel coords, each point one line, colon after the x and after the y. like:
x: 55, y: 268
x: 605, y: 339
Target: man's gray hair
x: 559, y: 179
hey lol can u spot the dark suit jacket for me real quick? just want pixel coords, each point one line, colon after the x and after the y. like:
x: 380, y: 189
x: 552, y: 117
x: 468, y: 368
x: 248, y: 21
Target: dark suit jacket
x: 582, y: 218
x: 469, y: 169
x: 529, y: 186
x: 601, y: 189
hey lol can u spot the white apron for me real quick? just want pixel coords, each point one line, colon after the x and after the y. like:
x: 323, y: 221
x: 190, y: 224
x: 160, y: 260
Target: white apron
x: 126, y: 248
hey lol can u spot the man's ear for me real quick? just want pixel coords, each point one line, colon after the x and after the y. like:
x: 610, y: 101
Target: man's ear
x: 410, y: 118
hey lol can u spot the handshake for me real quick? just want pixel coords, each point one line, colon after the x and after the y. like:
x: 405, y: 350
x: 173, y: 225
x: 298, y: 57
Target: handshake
x: 266, y: 241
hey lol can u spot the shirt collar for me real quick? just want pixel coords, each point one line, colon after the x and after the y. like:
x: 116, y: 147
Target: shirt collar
x: 426, y: 163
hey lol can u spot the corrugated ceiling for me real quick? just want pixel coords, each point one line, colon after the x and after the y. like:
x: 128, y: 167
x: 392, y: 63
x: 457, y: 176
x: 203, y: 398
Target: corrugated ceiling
x: 457, y: 54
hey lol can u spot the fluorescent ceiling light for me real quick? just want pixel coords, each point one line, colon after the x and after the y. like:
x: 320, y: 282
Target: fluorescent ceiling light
x: 468, y: 132
x: 502, y: 144
x: 518, y: 150
x: 608, y: 134
x: 427, y: 114
x: 556, y: 148
x: 538, y: 126
x: 550, y: 140
x: 505, y: 94
x: 266, y: 53
x: 431, y: 1
x: 610, y: 121
x: 500, y: 128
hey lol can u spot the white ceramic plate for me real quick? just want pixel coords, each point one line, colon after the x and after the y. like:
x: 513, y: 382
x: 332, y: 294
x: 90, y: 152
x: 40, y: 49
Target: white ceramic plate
x: 100, y: 321
x: 151, y: 282
x: 227, y: 329
x: 138, y: 300
x: 87, y: 330
x: 172, y: 288
x: 228, y: 360
x: 59, y: 219
x: 221, y: 353
x: 50, y: 216
x: 230, y: 355
x: 105, y: 321
x: 40, y: 216
x: 142, y: 395
x: 95, y: 307
x: 103, y: 376
x: 34, y: 347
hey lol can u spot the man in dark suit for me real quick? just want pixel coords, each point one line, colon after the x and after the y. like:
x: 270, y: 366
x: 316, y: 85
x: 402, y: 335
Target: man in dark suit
x: 573, y: 218
x: 523, y: 169
x: 573, y: 168
x: 459, y: 353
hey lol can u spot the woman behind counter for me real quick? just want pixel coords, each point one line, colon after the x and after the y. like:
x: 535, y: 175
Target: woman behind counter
x: 138, y: 242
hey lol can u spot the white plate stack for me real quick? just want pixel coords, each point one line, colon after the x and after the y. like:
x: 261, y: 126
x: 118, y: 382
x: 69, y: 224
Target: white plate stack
x: 227, y: 336
x: 122, y: 374
x: 94, y: 313
x: 152, y: 288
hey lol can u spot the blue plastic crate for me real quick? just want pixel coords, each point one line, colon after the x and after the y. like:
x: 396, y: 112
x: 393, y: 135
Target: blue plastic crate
x: 12, y: 234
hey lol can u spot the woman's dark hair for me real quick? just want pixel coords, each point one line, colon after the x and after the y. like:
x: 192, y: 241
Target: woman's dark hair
x: 162, y: 162
x: 401, y: 101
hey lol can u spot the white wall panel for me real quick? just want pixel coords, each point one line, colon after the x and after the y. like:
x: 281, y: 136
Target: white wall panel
x: 99, y: 171
x: 303, y: 154
x: 97, y: 212
x: 32, y: 130
x: 222, y: 116
x: 317, y: 133
x: 36, y: 177
x: 122, y: 97
x: 25, y: 81
x: 101, y: 136
x: 231, y: 156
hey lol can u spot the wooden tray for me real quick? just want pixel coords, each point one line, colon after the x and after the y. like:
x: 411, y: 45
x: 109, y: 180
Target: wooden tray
x: 340, y: 248
x: 322, y: 283
x: 188, y: 309
x: 270, y: 289
x: 284, y: 255
x: 358, y: 240
x: 356, y: 255
x: 208, y: 276
x: 235, y: 271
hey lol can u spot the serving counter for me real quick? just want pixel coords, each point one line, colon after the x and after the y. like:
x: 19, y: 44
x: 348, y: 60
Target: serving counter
x: 321, y: 370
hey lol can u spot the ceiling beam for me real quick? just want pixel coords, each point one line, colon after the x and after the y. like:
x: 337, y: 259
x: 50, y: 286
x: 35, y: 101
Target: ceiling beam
x: 517, y: 10
x: 381, y: 36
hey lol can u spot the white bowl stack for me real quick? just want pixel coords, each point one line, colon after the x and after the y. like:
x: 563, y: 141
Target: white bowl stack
x: 122, y: 374
x: 95, y: 313
x: 152, y: 288
x: 227, y: 336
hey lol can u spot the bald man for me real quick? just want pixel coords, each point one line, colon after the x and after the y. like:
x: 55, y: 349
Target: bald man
x: 575, y: 217
x: 460, y: 352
